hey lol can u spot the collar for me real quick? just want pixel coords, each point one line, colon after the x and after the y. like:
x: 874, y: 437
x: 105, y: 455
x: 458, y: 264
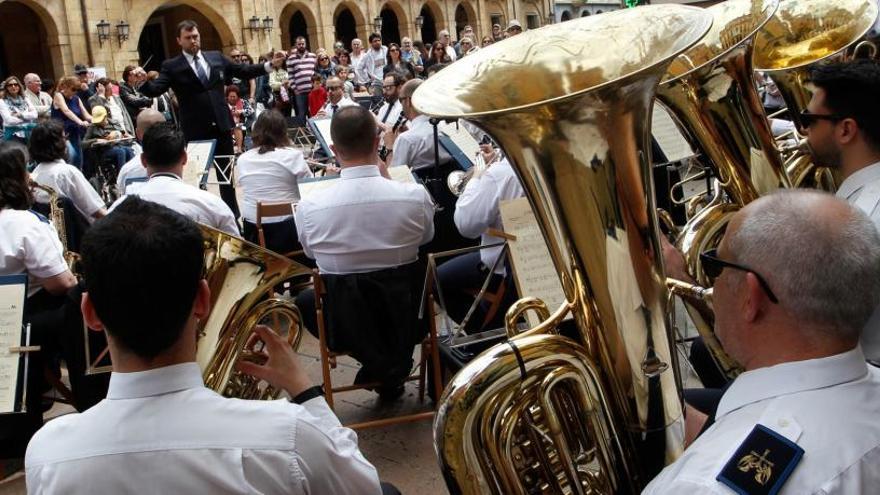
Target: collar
x: 858, y: 180
x: 29, y: 92
x: 790, y: 378
x: 419, y: 121
x: 167, y: 175
x: 189, y: 58
x: 59, y: 161
x: 157, y: 381
x: 360, y: 171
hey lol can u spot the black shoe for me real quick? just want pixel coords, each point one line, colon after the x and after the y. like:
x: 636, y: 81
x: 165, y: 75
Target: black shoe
x: 391, y: 392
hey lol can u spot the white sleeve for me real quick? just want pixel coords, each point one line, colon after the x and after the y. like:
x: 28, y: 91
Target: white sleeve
x: 302, y: 228
x: 31, y: 113
x: 224, y: 219
x: 6, y: 114
x: 42, y: 256
x: 428, y: 209
x: 300, y: 168
x: 400, y: 151
x: 83, y: 195
x: 477, y: 207
x: 328, y: 456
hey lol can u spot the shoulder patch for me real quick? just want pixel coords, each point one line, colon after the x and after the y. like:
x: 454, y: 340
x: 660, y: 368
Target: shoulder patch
x: 761, y: 464
x: 40, y: 216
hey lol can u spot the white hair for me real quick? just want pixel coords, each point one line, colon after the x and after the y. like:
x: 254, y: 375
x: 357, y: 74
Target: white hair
x: 28, y: 78
x: 824, y: 268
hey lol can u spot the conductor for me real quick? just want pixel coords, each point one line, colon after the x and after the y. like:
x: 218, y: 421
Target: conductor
x: 197, y: 79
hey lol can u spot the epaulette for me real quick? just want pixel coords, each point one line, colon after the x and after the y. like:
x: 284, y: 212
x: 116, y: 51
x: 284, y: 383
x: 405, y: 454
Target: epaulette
x: 761, y: 464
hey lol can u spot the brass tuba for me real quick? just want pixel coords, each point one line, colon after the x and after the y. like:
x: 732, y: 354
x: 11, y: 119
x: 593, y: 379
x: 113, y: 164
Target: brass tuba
x: 711, y: 95
x: 543, y: 413
x: 801, y: 34
x: 242, y: 277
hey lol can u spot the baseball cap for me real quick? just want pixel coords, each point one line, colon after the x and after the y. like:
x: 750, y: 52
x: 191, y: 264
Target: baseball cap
x: 514, y: 24
x: 80, y: 69
x: 99, y: 113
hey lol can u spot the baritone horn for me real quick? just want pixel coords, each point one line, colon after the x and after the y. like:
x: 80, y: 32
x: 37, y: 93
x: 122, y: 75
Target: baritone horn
x: 600, y: 413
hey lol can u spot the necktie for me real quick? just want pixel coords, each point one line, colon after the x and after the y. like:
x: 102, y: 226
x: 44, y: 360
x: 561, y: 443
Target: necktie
x: 387, y: 113
x: 334, y: 107
x: 200, y: 71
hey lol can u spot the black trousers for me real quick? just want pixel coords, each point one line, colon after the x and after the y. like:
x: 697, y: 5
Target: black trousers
x: 281, y: 237
x: 225, y: 148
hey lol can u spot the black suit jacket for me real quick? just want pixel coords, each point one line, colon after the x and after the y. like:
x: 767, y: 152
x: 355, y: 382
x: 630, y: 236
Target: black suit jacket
x: 203, y: 109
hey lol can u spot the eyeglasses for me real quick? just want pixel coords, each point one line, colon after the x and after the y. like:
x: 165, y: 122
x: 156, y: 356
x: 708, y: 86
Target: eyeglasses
x: 331, y: 88
x: 394, y: 50
x: 713, y: 266
x: 388, y: 86
x: 808, y: 118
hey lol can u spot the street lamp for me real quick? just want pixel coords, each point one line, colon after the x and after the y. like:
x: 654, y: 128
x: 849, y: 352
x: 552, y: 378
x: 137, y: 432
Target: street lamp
x: 122, y: 31
x: 267, y: 24
x: 420, y: 21
x: 254, y: 24
x: 377, y: 24
x: 103, y: 32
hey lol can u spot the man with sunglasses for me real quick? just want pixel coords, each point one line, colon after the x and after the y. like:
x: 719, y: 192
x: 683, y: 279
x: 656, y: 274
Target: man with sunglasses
x: 795, y: 278
x: 842, y: 125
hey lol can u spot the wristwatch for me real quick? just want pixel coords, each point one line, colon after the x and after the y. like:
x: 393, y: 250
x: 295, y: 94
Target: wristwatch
x: 308, y: 394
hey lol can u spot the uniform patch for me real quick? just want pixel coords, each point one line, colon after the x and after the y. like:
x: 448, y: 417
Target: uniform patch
x: 762, y: 464
x: 40, y: 216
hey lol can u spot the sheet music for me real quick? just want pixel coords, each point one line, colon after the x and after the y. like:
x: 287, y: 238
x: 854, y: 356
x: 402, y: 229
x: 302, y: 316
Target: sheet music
x: 533, y: 269
x: 12, y: 296
x: 200, y: 155
x: 461, y: 138
x: 322, y: 127
x: 671, y: 141
x: 401, y: 174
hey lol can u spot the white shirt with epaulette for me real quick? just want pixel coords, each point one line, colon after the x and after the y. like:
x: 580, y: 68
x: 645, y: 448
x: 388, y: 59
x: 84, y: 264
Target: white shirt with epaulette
x: 29, y: 244
x: 68, y: 181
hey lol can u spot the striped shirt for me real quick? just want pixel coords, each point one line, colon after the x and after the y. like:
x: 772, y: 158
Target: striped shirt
x: 300, y: 70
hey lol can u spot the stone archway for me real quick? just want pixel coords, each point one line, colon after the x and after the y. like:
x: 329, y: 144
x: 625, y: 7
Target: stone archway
x: 432, y: 22
x: 28, y: 41
x: 585, y: 13
x: 393, y: 19
x: 346, y: 21
x: 464, y: 16
x: 566, y: 16
x: 298, y: 20
x: 157, y: 30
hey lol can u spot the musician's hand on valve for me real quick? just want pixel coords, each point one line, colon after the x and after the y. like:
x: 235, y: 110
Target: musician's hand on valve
x: 673, y: 259
x: 282, y: 368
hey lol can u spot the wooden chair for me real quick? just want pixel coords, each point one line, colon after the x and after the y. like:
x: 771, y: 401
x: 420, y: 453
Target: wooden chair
x: 494, y: 298
x: 430, y: 351
x: 265, y: 210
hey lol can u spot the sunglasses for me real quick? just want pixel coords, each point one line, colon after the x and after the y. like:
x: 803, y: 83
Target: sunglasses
x: 13, y: 84
x: 808, y: 118
x: 713, y: 266
x: 394, y: 50
x: 331, y: 88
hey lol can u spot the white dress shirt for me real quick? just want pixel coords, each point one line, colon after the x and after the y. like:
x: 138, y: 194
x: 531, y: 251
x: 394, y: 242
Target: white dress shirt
x: 329, y: 109
x: 365, y: 222
x: 862, y: 190
x: 478, y: 207
x: 359, y: 76
x: 829, y: 407
x: 415, y: 147
x: 42, y: 102
x: 188, y: 200
x: 69, y: 182
x: 450, y: 50
x: 190, y: 59
x: 271, y: 177
x: 132, y: 170
x: 29, y: 244
x: 372, y: 64
x: 162, y: 432
x: 388, y: 114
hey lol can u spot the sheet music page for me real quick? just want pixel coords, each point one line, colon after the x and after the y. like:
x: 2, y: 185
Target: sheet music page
x: 671, y: 141
x: 12, y: 296
x: 322, y: 126
x: 462, y: 138
x: 533, y: 269
x: 309, y: 187
x: 401, y: 174
x: 199, y: 154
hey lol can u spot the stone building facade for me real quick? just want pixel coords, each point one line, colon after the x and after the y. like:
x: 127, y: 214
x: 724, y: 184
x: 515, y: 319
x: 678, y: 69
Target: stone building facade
x: 50, y: 36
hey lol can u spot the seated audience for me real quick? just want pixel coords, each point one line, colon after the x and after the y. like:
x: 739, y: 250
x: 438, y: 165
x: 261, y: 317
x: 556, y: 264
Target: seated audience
x: 104, y: 141
x: 164, y: 157
x: 160, y: 429
x: 796, y: 333
x: 16, y: 111
x: 34, y: 93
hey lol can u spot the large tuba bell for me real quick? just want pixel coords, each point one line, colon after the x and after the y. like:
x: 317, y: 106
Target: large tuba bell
x: 710, y: 92
x: 543, y: 413
x: 801, y: 34
x: 242, y: 277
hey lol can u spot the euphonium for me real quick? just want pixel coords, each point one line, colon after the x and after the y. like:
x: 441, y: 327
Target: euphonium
x: 801, y: 34
x: 710, y: 92
x: 56, y: 216
x: 241, y: 276
x: 570, y: 105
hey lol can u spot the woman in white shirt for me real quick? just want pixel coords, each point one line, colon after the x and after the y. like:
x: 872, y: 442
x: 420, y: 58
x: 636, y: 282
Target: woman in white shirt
x: 269, y: 173
x: 29, y: 246
x: 48, y: 149
x: 16, y: 111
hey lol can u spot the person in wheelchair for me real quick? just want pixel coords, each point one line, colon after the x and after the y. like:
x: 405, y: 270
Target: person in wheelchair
x: 106, y: 141
x: 48, y: 149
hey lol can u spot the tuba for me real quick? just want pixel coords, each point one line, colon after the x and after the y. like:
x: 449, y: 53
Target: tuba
x: 800, y: 35
x: 599, y: 412
x: 241, y: 276
x: 710, y: 93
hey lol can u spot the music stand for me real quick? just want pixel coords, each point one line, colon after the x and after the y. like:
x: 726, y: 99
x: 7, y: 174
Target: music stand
x: 321, y: 129
x: 15, y: 344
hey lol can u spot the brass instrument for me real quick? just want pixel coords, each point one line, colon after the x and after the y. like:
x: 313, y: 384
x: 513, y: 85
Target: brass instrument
x: 56, y: 216
x: 801, y: 34
x: 241, y: 276
x: 458, y: 179
x: 543, y: 413
x: 710, y: 93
